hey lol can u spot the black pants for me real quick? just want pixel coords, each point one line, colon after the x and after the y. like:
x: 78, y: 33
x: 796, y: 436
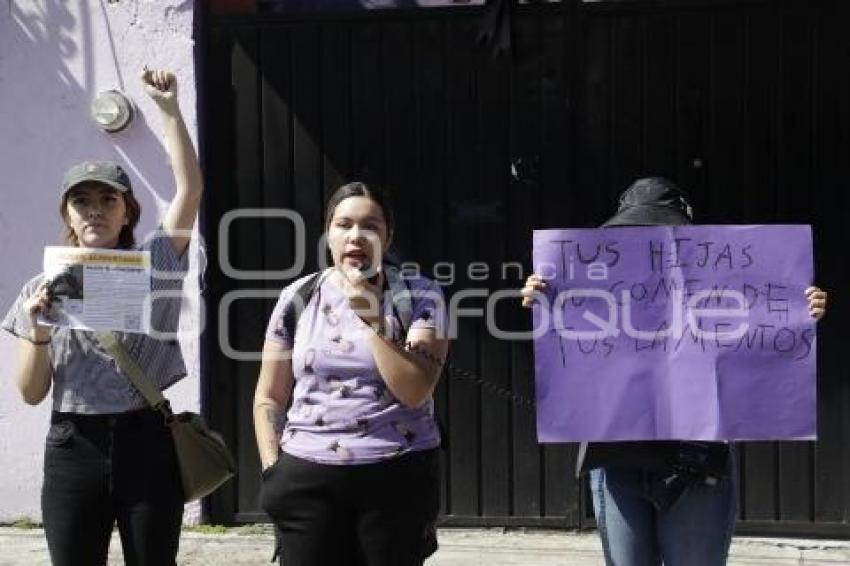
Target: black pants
x: 99, y: 469
x: 379, y: 514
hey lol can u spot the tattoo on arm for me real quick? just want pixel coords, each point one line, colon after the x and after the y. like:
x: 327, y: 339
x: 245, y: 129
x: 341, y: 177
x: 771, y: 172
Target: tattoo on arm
x: 435, y: 361
x: 275, y: 418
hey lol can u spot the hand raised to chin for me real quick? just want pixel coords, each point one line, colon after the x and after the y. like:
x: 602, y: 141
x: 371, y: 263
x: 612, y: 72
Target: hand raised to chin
x: 364, y: 297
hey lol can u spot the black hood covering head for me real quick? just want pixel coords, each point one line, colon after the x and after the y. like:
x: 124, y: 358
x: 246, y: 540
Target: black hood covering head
x: 652, y: 201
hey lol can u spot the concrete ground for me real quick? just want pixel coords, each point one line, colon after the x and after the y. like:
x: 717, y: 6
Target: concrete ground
x: 458, y: 547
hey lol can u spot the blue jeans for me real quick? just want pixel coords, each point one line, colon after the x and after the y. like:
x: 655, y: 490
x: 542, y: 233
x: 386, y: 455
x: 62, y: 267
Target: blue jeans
x: 695, y: 531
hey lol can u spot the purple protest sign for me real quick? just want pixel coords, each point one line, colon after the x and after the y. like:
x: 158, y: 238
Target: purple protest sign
x: 675, y: 332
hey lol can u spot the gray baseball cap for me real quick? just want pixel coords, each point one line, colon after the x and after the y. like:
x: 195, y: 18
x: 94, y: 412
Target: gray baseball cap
x: 106, y: 172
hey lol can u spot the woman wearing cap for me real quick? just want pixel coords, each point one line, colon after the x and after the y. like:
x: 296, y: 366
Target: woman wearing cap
x: 108, y: 458
x: 648, y: 511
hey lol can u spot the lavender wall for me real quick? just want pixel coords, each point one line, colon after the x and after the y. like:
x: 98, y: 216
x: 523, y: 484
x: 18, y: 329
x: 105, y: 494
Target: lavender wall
x: 54, y: 56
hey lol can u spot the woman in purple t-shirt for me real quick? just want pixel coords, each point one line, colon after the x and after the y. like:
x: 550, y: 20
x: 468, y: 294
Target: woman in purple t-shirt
x: 351, y: 471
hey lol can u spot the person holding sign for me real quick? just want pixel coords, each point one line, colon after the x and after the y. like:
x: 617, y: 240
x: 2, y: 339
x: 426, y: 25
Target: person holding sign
x: 661, y: 502
x: 108, y: 457
x: 351, y: 471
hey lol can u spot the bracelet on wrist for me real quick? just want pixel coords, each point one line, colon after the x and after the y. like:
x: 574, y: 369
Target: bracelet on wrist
x: 35, y: 342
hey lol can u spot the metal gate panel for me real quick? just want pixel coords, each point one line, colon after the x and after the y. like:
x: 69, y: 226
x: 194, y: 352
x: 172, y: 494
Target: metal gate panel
x: 744, y: 103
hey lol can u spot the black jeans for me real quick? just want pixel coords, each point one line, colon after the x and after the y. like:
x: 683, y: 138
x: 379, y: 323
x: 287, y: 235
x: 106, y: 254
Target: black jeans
x: 99, y: 469
x: 379, y: 514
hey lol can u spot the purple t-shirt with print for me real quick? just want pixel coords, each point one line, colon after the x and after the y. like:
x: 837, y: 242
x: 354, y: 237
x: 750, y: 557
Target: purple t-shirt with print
x: 342, y: 411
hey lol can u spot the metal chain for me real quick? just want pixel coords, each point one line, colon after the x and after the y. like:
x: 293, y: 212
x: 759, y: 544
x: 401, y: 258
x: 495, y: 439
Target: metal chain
x: 465, y: 374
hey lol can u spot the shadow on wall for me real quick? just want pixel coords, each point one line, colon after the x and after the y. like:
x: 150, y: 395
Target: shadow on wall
x: 63, y: 53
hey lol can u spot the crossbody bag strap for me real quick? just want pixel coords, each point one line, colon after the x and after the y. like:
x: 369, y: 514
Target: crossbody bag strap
x: 130, y: 368
x: 301, y: 296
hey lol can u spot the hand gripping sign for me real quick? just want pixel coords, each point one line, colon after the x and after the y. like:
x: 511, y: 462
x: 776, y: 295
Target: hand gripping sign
x: 679, y: 332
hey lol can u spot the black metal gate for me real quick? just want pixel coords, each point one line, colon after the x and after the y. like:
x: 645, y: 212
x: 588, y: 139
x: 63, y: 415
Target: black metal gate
x: 744, y: 103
